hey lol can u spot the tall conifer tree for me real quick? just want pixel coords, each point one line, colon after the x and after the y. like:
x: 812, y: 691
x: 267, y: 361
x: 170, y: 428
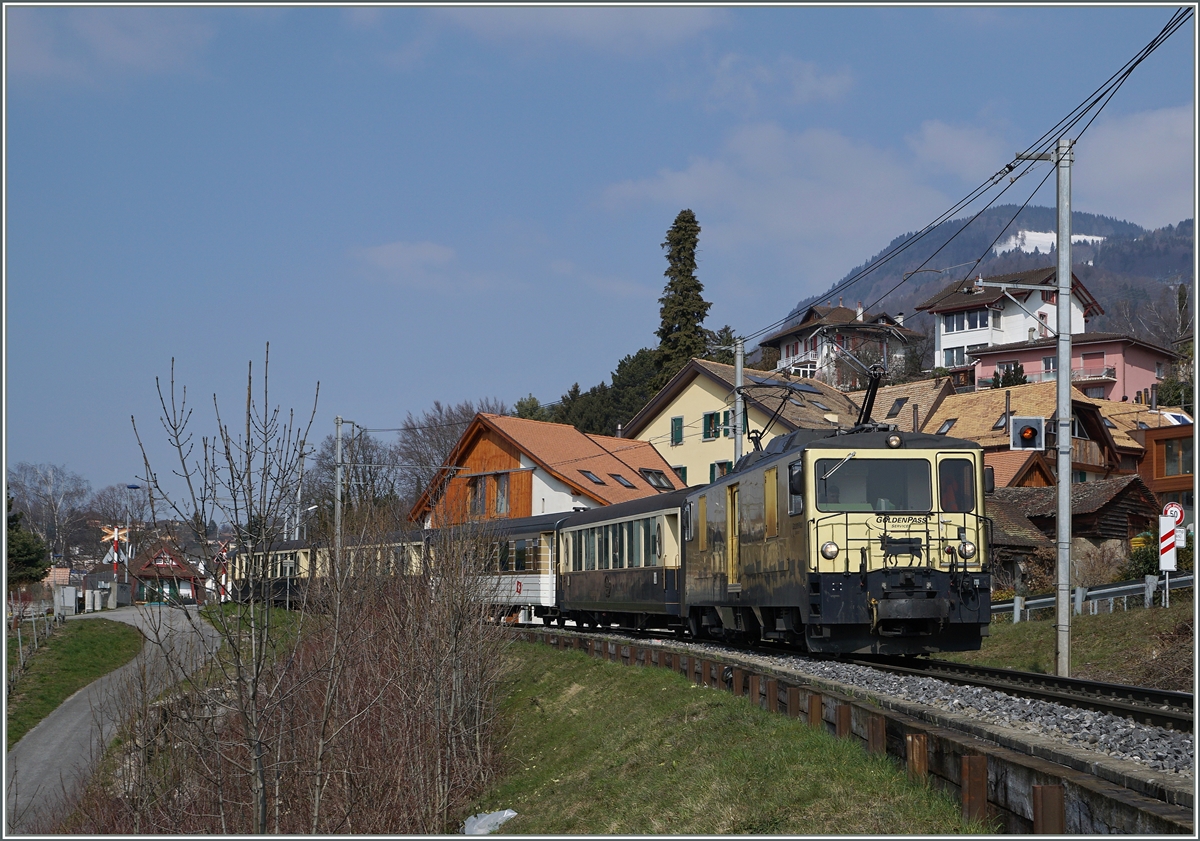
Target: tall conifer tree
x: 681, y: 334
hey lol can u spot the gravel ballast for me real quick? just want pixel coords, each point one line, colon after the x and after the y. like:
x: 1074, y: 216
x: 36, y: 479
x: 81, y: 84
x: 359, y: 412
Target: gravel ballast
x: 1163, y: 751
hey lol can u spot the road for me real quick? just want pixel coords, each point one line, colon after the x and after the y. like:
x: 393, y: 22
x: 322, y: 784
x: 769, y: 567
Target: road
x: 47, y: 769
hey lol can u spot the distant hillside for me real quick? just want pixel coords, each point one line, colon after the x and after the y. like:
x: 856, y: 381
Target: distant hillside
x: 1131, y: 271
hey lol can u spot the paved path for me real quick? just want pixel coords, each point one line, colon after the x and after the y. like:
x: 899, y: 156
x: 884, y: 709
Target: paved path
x: 48, y: 767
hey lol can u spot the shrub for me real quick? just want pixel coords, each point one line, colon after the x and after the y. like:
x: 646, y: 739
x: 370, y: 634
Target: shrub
x: 1144, y: 560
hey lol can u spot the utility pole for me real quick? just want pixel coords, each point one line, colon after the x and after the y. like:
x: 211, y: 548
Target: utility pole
x: 1062, y: 157
x: 1062, y: 646
x: 739, y: 361
x: 337, y: 493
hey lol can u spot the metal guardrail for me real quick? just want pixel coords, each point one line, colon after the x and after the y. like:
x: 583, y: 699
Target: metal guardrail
x: 1106, y: 591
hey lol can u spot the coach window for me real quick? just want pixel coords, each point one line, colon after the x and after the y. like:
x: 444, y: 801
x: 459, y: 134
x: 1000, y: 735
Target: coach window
x: 702, y: 521
x: 503, y: 551
x: 956, y: 484
x: 629, y: 534
x: 795, y: 484
x: 576, y: 552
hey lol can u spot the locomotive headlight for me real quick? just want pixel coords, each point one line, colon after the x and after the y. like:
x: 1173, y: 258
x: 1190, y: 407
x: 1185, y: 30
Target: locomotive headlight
x: 893, y: 440
x: 967, y: 550
x: 829, y: 550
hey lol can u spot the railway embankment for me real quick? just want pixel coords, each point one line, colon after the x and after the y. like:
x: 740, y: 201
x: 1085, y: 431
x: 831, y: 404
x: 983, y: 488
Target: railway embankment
x: 1021, y: 780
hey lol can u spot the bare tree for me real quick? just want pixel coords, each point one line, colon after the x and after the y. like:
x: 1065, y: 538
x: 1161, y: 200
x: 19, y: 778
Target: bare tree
x: 425, y: 440
x: 53, y: 500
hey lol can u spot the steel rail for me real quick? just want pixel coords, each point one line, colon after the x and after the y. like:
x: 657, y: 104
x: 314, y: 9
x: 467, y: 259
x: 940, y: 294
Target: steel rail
x: 1163, y: 708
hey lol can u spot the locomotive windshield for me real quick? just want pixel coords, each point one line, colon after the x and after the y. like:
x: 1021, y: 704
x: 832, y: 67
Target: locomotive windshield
x: 865, y: 484
x: 956, y: 484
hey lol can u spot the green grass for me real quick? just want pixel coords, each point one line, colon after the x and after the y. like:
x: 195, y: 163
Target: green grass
x: 602, y: 748
x: 73, y: 657
x: 1140, y: 646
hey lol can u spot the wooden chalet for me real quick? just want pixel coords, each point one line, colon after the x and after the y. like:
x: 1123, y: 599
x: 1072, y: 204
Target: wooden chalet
x: 162, y: 573
x: 505, y: 467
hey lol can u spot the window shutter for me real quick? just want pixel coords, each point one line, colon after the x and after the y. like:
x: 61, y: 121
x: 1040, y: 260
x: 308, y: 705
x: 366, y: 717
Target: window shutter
x: 725, y: 424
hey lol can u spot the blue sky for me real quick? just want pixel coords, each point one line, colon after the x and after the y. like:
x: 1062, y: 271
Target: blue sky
x: 419, y: 204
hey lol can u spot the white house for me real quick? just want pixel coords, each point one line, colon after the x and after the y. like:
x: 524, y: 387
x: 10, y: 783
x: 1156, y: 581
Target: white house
x: 970, y: 316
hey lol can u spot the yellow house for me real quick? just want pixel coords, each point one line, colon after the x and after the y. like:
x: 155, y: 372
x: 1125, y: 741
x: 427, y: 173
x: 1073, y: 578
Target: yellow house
x: 690, y: 421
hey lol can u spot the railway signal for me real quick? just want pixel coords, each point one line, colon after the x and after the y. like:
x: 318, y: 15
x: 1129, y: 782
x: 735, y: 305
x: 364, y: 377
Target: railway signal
x: 1027, y: 434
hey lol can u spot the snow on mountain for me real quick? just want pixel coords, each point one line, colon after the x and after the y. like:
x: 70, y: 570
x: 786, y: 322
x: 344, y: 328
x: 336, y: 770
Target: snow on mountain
x: 1043, y: 241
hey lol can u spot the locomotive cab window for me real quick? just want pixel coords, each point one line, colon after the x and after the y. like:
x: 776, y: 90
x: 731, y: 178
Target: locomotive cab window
x: 956, y: 485
x: 796, y: 488
x: 873, y: 485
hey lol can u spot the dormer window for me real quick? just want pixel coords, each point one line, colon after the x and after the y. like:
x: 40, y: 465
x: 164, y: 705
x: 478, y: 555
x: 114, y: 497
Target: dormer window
x: 945, y: 427
x: 657, y: 479
x: 621, y: 480
x: 897, y: 406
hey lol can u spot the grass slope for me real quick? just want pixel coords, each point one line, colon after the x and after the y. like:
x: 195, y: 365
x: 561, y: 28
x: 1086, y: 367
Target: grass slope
x: 73, y: 657
x: 1140, y: 646
x: 602, y: 748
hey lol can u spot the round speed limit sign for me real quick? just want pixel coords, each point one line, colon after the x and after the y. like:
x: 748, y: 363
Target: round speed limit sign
x: 1175, y: 511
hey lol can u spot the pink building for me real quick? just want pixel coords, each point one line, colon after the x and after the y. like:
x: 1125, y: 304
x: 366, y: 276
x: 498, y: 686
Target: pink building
x: 1104, y: 366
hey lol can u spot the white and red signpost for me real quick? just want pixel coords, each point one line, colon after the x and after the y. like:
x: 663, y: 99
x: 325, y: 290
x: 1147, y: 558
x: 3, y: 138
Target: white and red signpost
x: 1166, y: 551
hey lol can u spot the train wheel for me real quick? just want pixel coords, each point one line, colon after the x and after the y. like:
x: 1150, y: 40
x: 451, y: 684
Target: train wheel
x: 562, y: 621
x: 547, y: 621
x: 694, y: 626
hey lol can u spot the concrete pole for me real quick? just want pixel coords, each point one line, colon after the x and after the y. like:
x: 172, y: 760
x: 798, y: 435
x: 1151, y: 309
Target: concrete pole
x: 1062, y: 640
x: 739, y: 361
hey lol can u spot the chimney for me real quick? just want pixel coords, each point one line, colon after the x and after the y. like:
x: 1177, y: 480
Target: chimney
x: 900, y: 319
x: 618, y: 430
x: 858, y: 316
x: 839, y: 300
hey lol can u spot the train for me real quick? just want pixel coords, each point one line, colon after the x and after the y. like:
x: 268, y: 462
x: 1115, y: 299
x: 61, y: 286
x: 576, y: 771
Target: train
x: 860, y: 541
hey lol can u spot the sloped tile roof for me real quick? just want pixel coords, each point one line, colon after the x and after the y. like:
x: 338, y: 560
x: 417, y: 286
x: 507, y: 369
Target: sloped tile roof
x: 1008, y: 464
x: 1086, y: 497
x: 839, y: 316
x: 1126, y: 416
x: 926, y: 395
x: 1010, y: 526
x: 976, y: 412
x: 564, y: 451
x: 964, y: 294
x: 143, y: 565
x: 767, y: 390
x: 1076, y: 339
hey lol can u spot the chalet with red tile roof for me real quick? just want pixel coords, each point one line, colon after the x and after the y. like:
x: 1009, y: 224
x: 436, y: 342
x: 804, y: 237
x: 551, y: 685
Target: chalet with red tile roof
x: 162, y: 573
x: 506, y: 467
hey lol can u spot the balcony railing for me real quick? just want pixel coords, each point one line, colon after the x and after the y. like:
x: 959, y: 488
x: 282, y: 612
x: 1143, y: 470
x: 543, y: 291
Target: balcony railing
x: 1108, y: 373
x: 806, y: 358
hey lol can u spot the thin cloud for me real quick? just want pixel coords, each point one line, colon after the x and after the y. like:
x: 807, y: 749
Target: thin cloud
x: 89, y: 44
x: 971, y: 153
x: 420, y: 266
x: 1139, y: 167
x: 824, y: 198
x: 622, y: 30
x: 740, y: 83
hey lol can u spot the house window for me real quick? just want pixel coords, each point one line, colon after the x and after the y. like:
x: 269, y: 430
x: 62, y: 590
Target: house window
x: 1044, y: 329
x: 502, y: 493
x: 718, y: 469
x: 1008, y: 367
x: 954, y: 321
x: 592, y: 476
x: 681, y: 472
x: 1050, y: 298
x: 1096, y: 391
x: 676, y: 431
x: 955, y: 356
x: 477, y: 490
x: 1049, y: 363
x: 897, y: 406
x: 1158, y: 370
x: 1177, y: 457
x: 657, y: 479
x: 1078, y: 477
x: 1077, y: 430
x: 621, y: 480
x: 945, y: 427
x: 1001, y: 421
x: 712, y: 423
x: 807, y: 371
x: 977, y: 318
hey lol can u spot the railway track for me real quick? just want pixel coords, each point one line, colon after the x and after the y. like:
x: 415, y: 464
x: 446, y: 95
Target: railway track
x: 1171, y: 710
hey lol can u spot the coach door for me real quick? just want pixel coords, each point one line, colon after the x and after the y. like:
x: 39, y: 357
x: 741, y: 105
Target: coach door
x: 733, y: 531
